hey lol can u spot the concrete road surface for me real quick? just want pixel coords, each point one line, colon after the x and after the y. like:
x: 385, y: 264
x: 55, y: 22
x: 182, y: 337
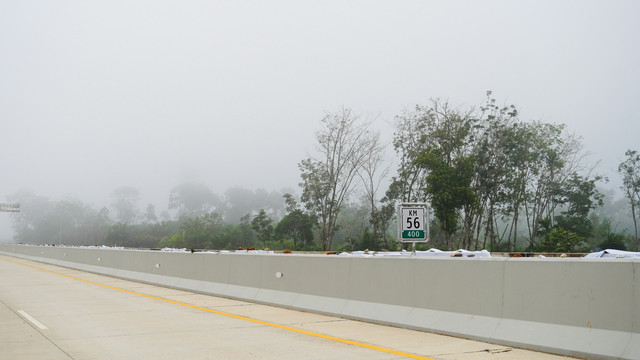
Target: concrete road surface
x: 50, y: 312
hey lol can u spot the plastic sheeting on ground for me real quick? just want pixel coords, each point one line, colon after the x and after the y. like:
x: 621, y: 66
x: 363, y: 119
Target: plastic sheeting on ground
x: 612, y: 253
x: 365, y: 253
x: 428, y: 253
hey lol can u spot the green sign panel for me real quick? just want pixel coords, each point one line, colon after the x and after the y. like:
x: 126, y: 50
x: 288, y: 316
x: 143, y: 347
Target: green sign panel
x: 413, y: 234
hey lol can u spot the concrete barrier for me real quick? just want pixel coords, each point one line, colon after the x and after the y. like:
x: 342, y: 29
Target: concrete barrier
x: 576, y: 307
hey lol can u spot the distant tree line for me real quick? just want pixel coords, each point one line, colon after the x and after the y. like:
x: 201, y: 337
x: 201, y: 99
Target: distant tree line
x: 196, y: 218
x: 491, y: 180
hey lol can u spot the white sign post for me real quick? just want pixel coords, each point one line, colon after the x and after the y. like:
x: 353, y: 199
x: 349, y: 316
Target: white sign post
x: 413, y: 224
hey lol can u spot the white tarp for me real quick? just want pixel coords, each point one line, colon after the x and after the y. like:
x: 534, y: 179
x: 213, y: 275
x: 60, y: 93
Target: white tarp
x: 612, y: 253
x: 428, y: 253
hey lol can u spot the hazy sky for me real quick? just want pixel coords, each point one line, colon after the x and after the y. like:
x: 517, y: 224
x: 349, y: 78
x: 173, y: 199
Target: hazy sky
x: 95, y: 95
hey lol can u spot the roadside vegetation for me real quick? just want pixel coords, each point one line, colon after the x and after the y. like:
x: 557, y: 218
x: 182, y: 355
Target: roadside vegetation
x: 491, y: 180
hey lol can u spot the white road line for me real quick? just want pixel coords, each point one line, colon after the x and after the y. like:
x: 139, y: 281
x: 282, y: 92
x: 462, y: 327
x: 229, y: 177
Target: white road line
x: 32, y: 320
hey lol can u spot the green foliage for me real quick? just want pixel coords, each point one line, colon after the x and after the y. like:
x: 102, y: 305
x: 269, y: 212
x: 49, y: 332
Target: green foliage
x: 630, y: 171
x: 380, y: 220
x: 581, y: 195
x: 319, y: 198
x: 204, y: 232
x: 139, y: 235
x: 614, y: 241
x: 604, y: 236
x: 448, y: 186
x: 119, y: 235
x: 234, y: 236
x: 175, y: 241
x: 560, y: 240
x: 492, y: 180
x: 262, y: 224
x: 580, y: 225
x: 489, y: 176
x: 367, y: 242
x: 298, y: 227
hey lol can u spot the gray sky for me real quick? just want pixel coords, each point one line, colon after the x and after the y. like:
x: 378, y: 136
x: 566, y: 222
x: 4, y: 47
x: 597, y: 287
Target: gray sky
x: 95, y: 95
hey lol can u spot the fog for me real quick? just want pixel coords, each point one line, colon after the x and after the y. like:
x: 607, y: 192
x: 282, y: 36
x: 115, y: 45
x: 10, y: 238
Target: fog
x: 96, y: 95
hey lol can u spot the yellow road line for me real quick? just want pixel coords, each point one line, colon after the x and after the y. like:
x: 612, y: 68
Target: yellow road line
x: 239, y: 317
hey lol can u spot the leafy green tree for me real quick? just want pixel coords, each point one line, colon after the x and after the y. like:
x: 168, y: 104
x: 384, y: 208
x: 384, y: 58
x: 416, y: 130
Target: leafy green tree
x: 195, y: 234
x: 522, y: 171
x: 630, y: 171
x: 410, y: 138
x: 290, y: 202
x: 580, y: 225
x: 263, y: 225
x: 493, y: 146
x: 233, y: 236
x: 614, y: 241
x: 560, y: 240
x: 119, y: 235
x: 297, y: 226
x: 511, y: 192
x: 201, y: 232
x: 449, y: 165
x: 579, y: 195
x: 541, y: 158
x: 448, y: 186
x: 367, y: 241
x: 246, y: 236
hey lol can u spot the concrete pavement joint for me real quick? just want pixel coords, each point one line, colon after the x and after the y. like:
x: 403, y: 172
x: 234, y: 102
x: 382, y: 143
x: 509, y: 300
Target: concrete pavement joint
x: 489, y: 351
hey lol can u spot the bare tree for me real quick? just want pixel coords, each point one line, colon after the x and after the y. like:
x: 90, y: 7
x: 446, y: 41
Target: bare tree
x: 327, y: 181
x: 372, y: 173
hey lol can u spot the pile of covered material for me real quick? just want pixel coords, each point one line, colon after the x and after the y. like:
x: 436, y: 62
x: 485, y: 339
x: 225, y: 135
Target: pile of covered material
x: 457, y: 253
x: 428, y: 253
x: 612, y: 253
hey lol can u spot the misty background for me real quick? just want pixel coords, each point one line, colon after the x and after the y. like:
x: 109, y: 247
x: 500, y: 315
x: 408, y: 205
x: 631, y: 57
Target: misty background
x: 96, y: 96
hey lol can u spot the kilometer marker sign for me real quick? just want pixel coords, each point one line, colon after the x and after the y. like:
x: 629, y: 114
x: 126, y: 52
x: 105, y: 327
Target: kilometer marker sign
x: 412, y: 221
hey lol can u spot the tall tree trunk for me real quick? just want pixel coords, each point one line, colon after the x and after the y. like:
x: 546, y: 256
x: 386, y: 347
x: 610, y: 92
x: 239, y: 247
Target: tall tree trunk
x: 635, y: 223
